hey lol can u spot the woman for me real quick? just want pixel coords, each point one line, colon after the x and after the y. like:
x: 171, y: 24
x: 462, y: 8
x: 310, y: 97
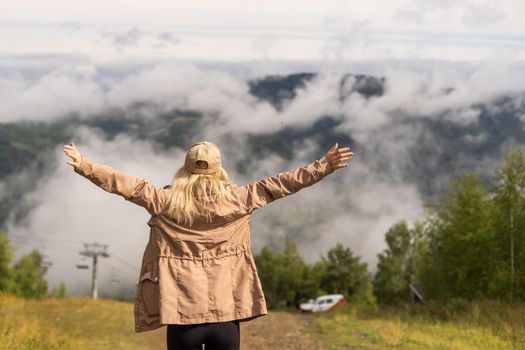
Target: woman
x: 198, y: 275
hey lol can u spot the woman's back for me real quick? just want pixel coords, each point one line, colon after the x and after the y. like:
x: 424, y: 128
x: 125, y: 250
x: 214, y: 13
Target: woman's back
x: 201, y: 270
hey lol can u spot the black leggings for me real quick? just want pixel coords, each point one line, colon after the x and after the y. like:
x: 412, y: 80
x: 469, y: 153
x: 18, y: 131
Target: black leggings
x: 216, y: 336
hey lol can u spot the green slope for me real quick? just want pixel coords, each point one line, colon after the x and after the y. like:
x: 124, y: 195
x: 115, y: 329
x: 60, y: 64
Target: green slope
x: 71, y: 323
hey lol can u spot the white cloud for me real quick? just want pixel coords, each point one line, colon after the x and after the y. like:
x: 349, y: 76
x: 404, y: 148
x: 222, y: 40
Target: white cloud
x: 56, y: 94
x: 410, y: 94
x: 237, y: 30
x: 67, y: 206
x: 354, y: 206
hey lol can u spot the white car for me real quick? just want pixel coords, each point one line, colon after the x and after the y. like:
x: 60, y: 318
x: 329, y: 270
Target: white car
x: 322, y: 303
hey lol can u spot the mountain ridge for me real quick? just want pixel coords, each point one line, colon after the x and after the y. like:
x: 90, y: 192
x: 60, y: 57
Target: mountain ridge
x: 442, y: 148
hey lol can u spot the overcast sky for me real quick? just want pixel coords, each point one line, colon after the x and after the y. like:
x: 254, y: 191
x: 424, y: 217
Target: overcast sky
x: 111, y: 31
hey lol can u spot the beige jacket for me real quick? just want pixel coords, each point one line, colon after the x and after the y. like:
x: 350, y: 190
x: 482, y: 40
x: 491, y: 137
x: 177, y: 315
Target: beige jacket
x: 203, y: 273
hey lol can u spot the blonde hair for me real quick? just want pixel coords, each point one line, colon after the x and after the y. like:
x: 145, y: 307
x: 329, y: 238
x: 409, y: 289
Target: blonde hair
x: 198, y: 194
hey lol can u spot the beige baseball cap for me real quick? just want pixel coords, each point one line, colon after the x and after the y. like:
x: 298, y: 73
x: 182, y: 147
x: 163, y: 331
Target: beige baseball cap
x: 206, y: 152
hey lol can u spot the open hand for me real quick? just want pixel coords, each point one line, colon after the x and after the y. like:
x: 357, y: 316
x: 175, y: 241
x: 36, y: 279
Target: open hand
x: 338, y: 157
x: 71, y: 151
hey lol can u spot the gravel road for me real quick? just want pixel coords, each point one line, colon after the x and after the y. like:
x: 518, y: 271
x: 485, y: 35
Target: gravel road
x: 279, y: 330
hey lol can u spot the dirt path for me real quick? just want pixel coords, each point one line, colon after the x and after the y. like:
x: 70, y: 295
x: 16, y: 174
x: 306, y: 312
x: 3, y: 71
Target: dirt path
x: 279, y: 330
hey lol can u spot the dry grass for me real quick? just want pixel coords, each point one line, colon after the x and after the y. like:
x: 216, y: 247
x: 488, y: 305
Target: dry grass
x: 81, y: 323
x: 476, y: 326
x: 71, y: 323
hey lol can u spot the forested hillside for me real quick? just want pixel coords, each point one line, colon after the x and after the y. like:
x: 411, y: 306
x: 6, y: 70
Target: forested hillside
x: 443, y: 149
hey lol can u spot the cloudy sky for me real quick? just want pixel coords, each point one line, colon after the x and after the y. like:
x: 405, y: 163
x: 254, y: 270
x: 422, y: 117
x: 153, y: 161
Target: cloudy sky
x: 306, y: 31
x: 86, y: 57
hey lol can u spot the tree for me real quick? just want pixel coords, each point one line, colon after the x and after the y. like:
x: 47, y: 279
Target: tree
x: 28, y: 276
x: 509, y: 205
x: 311, y: 286
x: 458, y: 262
x: 266, y: 262
x: 399, y: 263
x: 286, y: 279
x: 6, y: 254
x: 345, y: 274
x: 417, y: 251
x: 293, y: 270
x: 59, y: 292
x: 391, y: 280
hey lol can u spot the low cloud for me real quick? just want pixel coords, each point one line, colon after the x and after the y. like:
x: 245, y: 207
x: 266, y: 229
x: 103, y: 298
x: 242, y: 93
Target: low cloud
x: 354, y: 206
x: 67, y: 207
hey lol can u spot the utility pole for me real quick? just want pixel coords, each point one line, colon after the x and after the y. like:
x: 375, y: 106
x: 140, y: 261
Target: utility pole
x: 94, y: 250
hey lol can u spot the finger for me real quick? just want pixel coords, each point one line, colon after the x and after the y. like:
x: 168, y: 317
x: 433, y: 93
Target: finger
x: 336, y: 157
x: 348, y: 156
x: 72, y: 156
x: 344, y: 154
x: 338, y: 151
x: 333, y: 148
x: 342, y: 165
x: 333, y: 153
x: 70, y: 147
x: 341, y: 159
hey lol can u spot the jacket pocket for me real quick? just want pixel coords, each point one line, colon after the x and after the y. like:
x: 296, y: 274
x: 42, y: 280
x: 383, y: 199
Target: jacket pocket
x: 149, y: 288
x: 193, y: 288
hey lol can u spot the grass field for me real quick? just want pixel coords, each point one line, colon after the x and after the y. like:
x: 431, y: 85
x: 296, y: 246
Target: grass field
x: 71, y: 323
x: 81, y: 323
x: 475, y: 326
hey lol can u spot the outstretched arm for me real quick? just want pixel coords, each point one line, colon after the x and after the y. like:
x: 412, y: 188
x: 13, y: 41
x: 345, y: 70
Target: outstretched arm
x: 133, y: 189
x: 260, y: 193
